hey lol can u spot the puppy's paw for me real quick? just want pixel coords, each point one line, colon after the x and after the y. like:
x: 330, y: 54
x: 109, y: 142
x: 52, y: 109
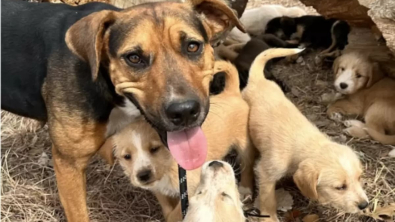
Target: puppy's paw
x: 337, y: 117
x: 354, y: 122
x: 245, y: 194
x: 356, y: 132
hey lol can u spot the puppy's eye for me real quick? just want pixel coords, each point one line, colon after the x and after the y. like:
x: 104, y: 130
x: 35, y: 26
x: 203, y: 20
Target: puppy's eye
x: 358, y: 75
x: 127, y: 156
x: 200, y: 192
x: 154, y: 149
x: 193, y: 47
x: 341, y: 69
x: 342, y: 187
x: 225, y: 194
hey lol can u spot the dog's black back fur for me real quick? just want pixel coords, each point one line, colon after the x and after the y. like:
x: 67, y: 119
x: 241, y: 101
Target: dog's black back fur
x: 33, y: 44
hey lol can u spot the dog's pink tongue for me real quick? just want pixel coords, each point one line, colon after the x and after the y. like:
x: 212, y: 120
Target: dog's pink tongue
x: 188, y: 147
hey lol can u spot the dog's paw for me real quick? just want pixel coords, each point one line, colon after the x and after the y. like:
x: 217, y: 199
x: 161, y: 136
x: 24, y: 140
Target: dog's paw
x: 337, y: 117
x: 354, y: 122
x: 245, y: 194
x: 357, y: 132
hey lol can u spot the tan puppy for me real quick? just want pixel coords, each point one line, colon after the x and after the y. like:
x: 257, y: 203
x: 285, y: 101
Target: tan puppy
x: 216, y: 198
x: 150, y: 166
x: 290, y: 145
x: 368, y: 94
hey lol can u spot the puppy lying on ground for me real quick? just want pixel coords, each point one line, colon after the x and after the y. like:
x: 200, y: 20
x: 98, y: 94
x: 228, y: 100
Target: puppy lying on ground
x: 312, y: 31
x: 368, y: 94
x: 150, y: 166
x: 290, y: 145
x: 255, y: 20
x: 216, y: 197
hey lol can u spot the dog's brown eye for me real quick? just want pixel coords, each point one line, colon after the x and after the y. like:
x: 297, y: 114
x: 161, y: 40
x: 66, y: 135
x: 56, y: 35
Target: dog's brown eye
x: 343, y: 187
x: 341, y: 69
x: 133, y: 58
x: 154, y: 149
x: 358, y: 75
x: 193, y: 47
x: 127, y: 157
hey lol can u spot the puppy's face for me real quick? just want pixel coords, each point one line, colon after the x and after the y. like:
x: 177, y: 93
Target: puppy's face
x: 353, y: 72
x: 158, y: 56
x: 334, y: 181
x: 141, y: 154
x: 217, y: 197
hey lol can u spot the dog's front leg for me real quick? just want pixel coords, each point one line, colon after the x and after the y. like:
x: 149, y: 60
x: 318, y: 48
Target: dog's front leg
x: 168, y: 204
x: 342, y: 107
x: 175, y: 215
x: 74, y: 143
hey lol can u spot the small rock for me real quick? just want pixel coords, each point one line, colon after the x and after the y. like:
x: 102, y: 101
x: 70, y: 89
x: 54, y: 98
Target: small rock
x: 318, y: 60
x: 312, y: 117
x: 300, y: 60
x: 311, y: 218
x: 284, y: 200
x: 295, y: 92
x: 43, y: 160
x: 322, y: 123
x: 392, y: 153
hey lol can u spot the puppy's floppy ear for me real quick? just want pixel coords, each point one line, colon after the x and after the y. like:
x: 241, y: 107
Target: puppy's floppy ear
x: 306, y: 178
x: 335, y: 66
x: 85, y: 37
x: 217, y: 17
x: 374, y: 74
x: 106, y: 151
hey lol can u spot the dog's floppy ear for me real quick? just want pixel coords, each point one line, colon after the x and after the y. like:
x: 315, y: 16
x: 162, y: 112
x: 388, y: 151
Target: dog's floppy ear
x: 85, y: 37
x: 218, y: 17
x: 374, y: 74
x: 106, y: 151
x: 306, y: 178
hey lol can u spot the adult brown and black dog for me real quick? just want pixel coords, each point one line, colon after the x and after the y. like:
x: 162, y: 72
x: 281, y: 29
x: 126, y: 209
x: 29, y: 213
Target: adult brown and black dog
x: 72, y: 66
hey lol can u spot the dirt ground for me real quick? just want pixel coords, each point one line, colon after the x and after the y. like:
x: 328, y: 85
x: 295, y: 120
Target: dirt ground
x: 29, y: 193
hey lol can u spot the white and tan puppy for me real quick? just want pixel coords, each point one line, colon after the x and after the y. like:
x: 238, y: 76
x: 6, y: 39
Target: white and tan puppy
x: 368, y: 94
x: 216, y: 198
x: 292, y: 146
x: 255, y: 20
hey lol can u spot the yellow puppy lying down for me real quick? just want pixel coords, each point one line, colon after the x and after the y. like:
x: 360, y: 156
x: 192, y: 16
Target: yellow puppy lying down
x: 290, y: 145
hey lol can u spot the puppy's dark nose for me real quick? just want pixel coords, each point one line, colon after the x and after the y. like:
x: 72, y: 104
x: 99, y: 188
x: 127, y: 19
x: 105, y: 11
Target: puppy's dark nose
x: 343, y: 85
x: 144, y: 175
x: 216, y: 164
x: 363, y: 205
x: 183, y: 113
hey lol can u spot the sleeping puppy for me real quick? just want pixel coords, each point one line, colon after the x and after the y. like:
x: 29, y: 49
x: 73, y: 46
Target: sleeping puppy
x: 255, y: 20
x: 149, y: 165
x: 216, y: 197
x: 312, y: 31
x: 368, y: 94
x: 292, y: 146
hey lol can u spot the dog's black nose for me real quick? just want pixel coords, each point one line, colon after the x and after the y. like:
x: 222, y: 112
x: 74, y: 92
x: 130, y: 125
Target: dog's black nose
x: 343, y: 85
x: 144, y: 175
x: 216, y: 164
x: 363, y: 205
x: 183, y: 113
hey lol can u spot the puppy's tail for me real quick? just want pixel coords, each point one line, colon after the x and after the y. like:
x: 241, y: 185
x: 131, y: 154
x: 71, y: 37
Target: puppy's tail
x: 382, y: 138
x: 260, y: 61
x: 232, y: 82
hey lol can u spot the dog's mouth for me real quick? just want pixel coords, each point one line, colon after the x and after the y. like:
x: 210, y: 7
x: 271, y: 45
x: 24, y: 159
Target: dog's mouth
x: 187, y: 144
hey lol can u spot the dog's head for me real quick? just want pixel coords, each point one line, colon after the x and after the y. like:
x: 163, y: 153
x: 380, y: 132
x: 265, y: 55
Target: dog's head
x: 334, y: 179
x: 282, y: 27
x: 140, y: 153
x: 216, y: 197
x: 354, y: 71
x: 158, y: 55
